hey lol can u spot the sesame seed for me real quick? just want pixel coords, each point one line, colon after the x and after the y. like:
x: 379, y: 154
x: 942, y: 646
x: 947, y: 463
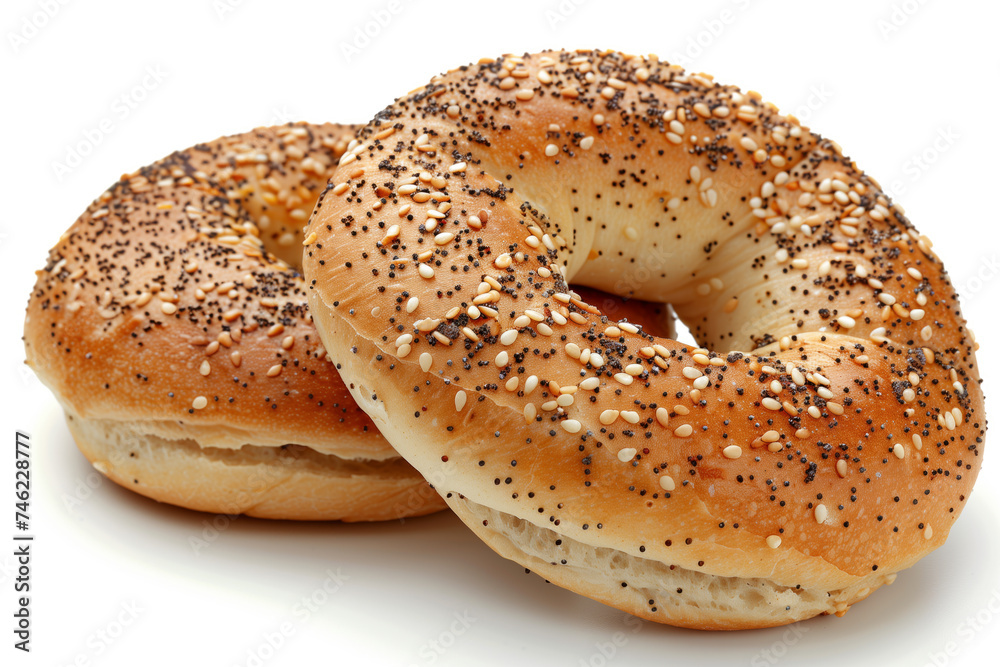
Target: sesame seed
x: 412, y: 304
x: 701, y: 383
x: 691, y: 373
x: 551, y: 150
x: 820, y: 513
x: 530, y: 384
x: 773, y: 541
x: 634, y: 369
x: 590, y: 384
x: 662, y: 416
x: 425, y: 271
x: 667, y: 483
x: 683, y: 431
x: 586, y: 143
x: 846, y: 322
x: 771, y: 404
x: 199, y: 402
x: 627, y: 454
x: 508, y: 337
x: 623, y: 378
x: 630, y: 416
x: 571, y: 426
x: 732, y: 452
x: 842, y: 467
x: 426, y: 360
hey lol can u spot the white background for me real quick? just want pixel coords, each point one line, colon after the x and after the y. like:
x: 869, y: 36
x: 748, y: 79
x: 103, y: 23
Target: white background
x: 907, y: 88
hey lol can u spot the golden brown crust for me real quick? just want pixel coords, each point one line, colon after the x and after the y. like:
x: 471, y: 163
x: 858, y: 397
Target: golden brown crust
x: 167, y: 309
x: 836, y: 447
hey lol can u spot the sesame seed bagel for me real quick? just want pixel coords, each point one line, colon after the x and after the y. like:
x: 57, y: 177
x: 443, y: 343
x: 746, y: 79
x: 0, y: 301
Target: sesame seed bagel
x: 171, y: 323
x: 825, y: 436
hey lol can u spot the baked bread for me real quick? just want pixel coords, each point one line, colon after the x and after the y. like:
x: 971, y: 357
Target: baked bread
x: 825, y: 436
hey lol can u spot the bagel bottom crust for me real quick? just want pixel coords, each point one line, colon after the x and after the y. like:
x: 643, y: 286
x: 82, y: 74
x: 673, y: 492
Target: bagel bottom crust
x: 684, y: 598
x: 290, y: 482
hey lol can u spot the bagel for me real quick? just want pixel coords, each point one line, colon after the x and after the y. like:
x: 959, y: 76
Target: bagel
x: 172, y: 326
x: 179, y: 282
x: 826, y: 434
